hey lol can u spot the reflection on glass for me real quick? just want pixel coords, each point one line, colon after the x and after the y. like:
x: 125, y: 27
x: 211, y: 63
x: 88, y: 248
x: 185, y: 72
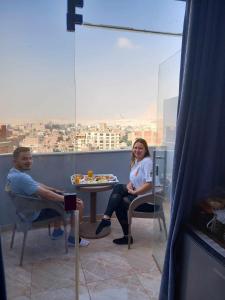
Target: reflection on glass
x: 167, y: 112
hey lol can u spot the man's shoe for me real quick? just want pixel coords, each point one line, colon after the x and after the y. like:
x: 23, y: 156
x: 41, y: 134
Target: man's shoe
x: 123, y: 241
x: 104, y: 223
x: 57, y: 234
x: 82, y: 242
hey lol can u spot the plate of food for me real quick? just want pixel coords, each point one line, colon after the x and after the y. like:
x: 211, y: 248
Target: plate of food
x: 96, y: 179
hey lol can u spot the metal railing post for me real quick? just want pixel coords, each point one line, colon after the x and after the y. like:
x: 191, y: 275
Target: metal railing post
x: 77, y: 273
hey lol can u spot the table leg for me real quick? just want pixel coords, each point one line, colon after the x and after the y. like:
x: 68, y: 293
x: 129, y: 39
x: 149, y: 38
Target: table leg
x: 88, y: 229
x: 93, y: 207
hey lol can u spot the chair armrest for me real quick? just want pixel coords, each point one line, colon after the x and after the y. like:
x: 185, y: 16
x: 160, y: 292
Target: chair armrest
x: 150, y: 198
x: 31, y: 203
x: 146, y: 198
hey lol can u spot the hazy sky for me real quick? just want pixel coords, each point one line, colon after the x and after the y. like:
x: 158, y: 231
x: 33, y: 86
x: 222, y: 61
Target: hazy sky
x: 116, y: 72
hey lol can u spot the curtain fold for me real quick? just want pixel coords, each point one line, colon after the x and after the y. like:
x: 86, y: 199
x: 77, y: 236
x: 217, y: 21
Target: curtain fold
x: 2, y: 276
x: 199, y: 158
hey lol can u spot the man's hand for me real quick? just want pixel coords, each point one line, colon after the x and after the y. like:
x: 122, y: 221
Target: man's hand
x: 80, y: 204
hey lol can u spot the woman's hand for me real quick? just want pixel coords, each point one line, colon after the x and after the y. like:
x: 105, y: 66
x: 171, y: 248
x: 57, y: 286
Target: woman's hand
x: 131, y: 191
x: 129, y: 186
x: 146, y: 187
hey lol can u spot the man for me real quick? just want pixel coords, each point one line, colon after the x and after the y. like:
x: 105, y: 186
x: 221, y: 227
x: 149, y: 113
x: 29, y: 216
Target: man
x: 19, y: 182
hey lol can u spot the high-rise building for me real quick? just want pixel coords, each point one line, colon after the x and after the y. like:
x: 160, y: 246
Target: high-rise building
x: 102, y: 126
x: 103, y: 140
x: 6, y: 147
x: 3, y: 132
x: 150, y: 136
x: 169, y: 121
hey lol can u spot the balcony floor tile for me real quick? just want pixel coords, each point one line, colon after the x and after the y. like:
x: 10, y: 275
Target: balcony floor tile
x: 107, y: 271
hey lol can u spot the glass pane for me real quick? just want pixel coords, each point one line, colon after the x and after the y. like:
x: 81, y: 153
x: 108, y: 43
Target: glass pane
x: 37, y: 93
x: 167, y: 112
x: 37, y: 82
x: 89, y: 91
x: 116, y: 87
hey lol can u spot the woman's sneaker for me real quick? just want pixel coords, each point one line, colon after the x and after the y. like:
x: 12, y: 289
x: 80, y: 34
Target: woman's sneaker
x: 123, y: 240
x: 104, y: 223
x: 57, y: 234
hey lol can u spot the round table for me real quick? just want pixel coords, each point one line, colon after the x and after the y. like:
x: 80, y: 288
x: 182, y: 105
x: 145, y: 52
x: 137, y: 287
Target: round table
x: 87, y: 229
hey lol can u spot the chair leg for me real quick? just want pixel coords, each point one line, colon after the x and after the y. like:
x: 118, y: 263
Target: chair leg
x: 129, y: 234
x: 164, y: 225
x: 13, y: 235
x: 160, y: 226
x: 49, y: 229
x: 66, y: 235
x: 23, y: 247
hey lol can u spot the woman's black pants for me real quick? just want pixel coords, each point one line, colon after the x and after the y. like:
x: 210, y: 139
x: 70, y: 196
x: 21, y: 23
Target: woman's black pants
x: 119, y: 201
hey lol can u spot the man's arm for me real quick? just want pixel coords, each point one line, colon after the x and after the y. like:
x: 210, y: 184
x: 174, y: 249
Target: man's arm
x: 49, y: 188
x: 48, y: 194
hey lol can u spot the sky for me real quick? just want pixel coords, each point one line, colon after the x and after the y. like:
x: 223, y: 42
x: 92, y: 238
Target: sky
x: 50, y: 74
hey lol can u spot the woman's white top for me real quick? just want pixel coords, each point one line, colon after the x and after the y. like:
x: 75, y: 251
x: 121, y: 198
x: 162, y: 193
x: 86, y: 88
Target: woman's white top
x: 141, y: 172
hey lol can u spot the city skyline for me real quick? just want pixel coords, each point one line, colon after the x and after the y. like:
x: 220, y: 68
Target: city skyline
x: 115, y: 72
x: 114, y: 122
x: 53, y: 137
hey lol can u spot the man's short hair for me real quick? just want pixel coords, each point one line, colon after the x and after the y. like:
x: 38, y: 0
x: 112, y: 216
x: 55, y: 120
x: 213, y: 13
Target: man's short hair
x: 19, y: 150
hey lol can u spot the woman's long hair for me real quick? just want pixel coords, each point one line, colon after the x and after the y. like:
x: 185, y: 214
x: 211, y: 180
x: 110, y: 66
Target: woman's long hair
x: 144, y: 143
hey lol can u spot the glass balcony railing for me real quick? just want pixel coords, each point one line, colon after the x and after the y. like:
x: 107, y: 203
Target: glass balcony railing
x: 79, y: 101
x: 104, y: 269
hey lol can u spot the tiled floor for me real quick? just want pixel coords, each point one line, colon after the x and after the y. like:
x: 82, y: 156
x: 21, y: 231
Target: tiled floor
x: 107, y: 271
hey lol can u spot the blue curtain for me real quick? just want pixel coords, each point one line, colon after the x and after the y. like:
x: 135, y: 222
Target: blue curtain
x: 199, y: 159
x: 2, y: 277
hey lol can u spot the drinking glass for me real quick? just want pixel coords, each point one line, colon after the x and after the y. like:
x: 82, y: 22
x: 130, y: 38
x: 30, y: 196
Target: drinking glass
x: 90, y: 173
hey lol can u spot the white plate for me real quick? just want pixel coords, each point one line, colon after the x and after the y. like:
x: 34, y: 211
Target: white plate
x: 83, y: 181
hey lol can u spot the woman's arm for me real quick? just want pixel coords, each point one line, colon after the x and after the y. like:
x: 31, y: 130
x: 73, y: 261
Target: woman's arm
x: 141, y: 190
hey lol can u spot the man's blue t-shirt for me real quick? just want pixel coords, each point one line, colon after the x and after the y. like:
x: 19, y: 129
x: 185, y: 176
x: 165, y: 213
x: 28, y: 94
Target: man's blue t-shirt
x: 21, y: 183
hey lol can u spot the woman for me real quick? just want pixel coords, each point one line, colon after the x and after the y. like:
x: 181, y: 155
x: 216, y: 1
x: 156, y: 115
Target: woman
x: 140, y: 183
